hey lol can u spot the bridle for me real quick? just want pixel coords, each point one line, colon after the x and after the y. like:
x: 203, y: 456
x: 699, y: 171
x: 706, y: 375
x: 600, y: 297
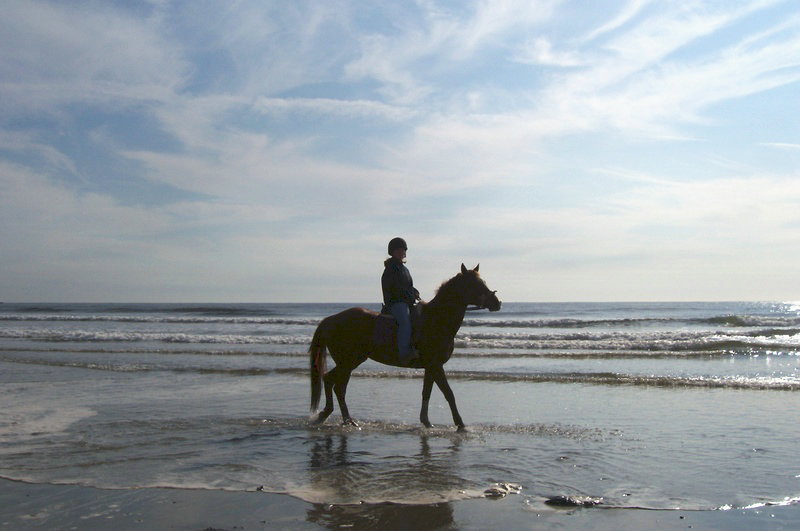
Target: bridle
x: 481, y: 302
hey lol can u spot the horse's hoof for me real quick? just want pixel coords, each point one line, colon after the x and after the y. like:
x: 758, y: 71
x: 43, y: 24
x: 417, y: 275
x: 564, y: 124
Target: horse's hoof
x: 350, y: 422
x: 427, y: 424
x: 462, y: 429
x: 322, y: 417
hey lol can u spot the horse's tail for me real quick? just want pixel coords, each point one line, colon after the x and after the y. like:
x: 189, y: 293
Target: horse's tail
x: 318, y: 355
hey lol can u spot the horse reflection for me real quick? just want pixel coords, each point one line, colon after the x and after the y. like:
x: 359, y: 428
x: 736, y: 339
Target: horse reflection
x: 406, y: 491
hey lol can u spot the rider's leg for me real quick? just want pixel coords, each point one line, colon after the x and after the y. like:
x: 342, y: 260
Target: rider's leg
x: 401, y: 312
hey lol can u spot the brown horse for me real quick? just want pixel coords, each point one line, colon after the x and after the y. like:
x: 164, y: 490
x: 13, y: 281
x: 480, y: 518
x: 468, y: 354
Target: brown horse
x: 349, y: 337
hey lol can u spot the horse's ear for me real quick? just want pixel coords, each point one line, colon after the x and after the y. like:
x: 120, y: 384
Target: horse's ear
x: 477, y: 267
x: 463, y: 269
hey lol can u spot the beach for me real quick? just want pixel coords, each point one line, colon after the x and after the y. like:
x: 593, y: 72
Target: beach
x: 26, y: 506
x: 175, y: 416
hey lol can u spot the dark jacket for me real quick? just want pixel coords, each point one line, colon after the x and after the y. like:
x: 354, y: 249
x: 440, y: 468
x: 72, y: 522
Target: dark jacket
x: 397, y: 283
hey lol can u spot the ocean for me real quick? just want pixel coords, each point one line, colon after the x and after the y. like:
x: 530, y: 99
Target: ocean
x: 666, y: 406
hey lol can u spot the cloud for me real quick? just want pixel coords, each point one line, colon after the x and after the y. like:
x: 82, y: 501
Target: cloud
x: 335, y: 107
x: 639, y: 87
x: 658, y: 241
x: 633, y: 81
x: 406, y: 61
x: 261, y: 49
x: 285, y: 174
x: 53, y: 240
x: 26, y: 143
x: 59, y: 244
x: 540, y: 52
x: 550, y: 145
x: 625, y: 15
x: 780, y: 145
x: 54, y: 54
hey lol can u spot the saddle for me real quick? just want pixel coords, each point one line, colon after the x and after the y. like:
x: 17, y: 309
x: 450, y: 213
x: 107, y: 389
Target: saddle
x: 385, y: 331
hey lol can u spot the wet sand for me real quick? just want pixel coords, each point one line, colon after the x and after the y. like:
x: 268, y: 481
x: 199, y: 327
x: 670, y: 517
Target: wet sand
x: 36, y: 506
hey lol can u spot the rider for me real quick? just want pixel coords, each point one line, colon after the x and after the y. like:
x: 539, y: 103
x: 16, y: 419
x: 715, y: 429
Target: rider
x: 399, y: 296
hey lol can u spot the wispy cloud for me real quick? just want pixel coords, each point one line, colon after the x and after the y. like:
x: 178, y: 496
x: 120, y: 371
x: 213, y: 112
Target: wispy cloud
x: 780, y: 145
x: 541, y: 52
x: 624, y: 16
x: 432, y: 39
x: 639, y: 86
x: 337, y: 107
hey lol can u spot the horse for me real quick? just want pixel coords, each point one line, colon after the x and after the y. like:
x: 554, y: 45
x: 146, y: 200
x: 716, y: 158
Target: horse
x: 349, y: 338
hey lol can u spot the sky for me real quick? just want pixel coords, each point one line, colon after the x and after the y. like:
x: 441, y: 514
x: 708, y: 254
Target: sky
x: 267, y: 151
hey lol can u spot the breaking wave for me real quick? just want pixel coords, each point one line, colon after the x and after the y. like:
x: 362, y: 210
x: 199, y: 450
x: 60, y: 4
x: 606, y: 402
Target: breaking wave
x: 785, y: 383
x: 119, y: 336
x: 676, y: 341
x: 200, y: 315
x: 732, y: 321
x: 158, y: 319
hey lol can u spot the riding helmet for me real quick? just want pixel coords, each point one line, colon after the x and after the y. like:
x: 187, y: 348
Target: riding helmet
x: 397, y: 243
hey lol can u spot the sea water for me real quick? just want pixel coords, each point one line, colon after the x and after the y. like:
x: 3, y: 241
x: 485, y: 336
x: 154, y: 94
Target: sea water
x: 647, y: 405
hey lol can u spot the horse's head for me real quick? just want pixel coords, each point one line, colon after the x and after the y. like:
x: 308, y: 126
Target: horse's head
x: 476, y: 292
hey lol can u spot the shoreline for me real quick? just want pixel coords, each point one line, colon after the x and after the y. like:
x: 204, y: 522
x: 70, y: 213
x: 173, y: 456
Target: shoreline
x: 47, y: 506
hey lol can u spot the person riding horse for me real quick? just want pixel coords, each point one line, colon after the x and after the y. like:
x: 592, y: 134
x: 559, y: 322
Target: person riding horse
x: 399, y: 296
x: 349, y: 338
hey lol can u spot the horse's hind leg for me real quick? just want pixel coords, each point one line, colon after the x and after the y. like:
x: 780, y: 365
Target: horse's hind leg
x: 329, y: 379
x: 340, y: 388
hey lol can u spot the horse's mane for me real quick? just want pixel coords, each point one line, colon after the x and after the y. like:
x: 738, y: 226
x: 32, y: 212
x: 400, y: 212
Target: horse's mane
x: 448, y: 288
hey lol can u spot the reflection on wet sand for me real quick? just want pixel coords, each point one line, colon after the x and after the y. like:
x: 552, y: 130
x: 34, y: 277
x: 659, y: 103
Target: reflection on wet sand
x: 391, y: 491
x: 382, y: 516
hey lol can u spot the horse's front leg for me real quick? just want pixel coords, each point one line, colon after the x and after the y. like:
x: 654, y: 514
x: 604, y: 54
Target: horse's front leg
x: 427, y: 387
x: 444, y: 387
